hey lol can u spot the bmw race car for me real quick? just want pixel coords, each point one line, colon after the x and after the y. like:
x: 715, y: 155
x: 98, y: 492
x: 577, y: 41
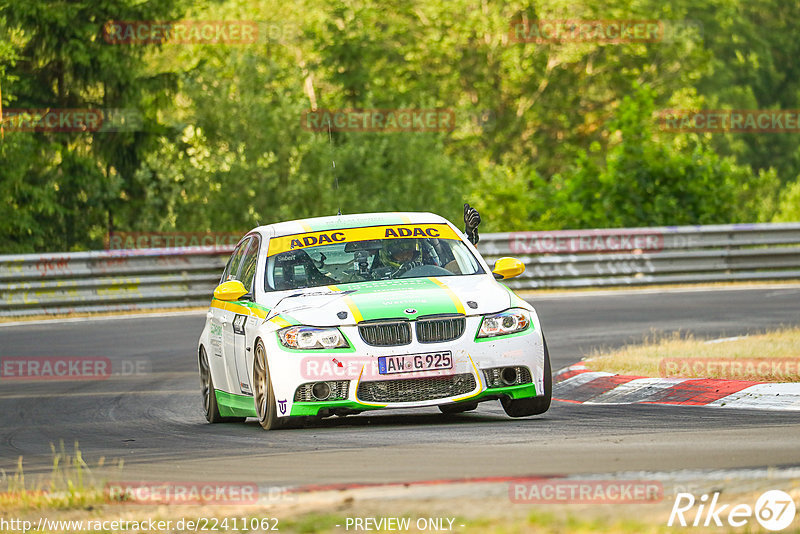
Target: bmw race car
x: 344, y: 314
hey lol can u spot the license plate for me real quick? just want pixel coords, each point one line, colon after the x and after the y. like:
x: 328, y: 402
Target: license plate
x: 410, y: 363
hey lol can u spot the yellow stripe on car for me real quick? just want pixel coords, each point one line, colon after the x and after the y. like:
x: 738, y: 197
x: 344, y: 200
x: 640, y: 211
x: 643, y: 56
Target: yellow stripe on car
x: 356, y: 395
x: 478, y: 376
x: 350, y: 305
x: 451, y: 294
x: 238, y: 308
x: 280, y: 322
x: 357, y: 317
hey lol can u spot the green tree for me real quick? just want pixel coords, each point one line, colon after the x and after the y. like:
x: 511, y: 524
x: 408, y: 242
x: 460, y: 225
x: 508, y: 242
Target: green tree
x: 789, y: 206
x: 647, y: 180
x: 547, y: 135
x: 63, y: 62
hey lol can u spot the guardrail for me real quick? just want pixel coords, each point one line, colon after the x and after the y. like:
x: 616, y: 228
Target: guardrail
x: 158, y: 278
x: 647, y: 256
x: 113, y: 280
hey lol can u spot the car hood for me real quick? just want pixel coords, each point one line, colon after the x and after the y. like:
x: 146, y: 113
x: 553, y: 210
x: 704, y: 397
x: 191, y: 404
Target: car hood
x: 347, y: 304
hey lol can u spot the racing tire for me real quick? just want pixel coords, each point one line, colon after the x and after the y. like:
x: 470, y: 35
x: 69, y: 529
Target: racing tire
x: 534, y: 405
x: 449, y: 409
x: 210, y: 406
x: 264, y: 396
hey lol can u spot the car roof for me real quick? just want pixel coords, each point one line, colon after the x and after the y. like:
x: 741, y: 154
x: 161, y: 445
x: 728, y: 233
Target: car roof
x: 335, y: 222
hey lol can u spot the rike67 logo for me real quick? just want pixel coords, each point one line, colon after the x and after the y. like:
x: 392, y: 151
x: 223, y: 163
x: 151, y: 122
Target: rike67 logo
x: 774, y: 510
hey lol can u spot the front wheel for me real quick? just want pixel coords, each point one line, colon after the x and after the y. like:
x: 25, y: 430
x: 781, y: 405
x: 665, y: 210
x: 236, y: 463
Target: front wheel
x: 534, y: 405
x: 266, y: 408
x: 210, y: 406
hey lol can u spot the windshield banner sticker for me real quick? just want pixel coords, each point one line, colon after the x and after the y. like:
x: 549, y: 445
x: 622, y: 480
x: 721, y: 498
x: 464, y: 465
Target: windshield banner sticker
x: 346, y: 235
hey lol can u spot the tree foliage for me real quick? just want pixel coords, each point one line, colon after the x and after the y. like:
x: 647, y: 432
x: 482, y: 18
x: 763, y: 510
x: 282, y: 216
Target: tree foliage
x: 547, y: 135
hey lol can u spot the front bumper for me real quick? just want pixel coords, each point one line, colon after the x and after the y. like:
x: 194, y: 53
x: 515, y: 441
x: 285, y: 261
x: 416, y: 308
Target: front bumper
x: 367, y: 389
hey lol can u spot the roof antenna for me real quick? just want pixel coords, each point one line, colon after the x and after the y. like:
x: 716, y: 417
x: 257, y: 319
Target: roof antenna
x: 333, y: 163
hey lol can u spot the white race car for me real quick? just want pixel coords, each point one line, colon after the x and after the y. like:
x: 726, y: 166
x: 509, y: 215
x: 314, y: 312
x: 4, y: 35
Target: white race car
x: 339, y: 315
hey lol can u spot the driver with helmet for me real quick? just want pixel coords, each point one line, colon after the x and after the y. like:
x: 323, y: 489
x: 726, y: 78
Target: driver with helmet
x: 401, y: 253
x: 397, y: 256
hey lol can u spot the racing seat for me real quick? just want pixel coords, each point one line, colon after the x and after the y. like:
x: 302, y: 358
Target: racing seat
x: 295, y: 269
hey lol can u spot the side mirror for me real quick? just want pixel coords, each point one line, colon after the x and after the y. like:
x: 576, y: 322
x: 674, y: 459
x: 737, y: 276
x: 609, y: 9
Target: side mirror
x: 230, y: 291
x: 505, y: 268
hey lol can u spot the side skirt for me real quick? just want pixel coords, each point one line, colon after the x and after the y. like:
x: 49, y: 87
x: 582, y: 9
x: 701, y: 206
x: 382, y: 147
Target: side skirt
x: 231, y: 405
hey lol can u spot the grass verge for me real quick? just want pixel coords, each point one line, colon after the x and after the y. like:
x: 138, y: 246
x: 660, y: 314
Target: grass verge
x: 772, y: 356
x: 72, y: 501
x: 70, y: 485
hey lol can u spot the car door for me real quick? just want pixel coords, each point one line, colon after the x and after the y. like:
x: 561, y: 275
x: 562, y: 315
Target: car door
x: 217, y: 318
x: 235, y: 330
x: 222, y: 321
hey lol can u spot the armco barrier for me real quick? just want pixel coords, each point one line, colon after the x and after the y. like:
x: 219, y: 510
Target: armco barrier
x: 646, y: 256
x: 157, y: 278
x: 113, y: 280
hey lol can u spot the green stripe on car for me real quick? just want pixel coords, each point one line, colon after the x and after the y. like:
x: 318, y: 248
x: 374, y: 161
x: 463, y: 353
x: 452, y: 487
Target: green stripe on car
x: 390, y: 299
x: 231, y: 405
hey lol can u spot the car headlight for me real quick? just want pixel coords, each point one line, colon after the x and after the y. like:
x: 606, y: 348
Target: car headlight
x: 507, y: 322
x: 309, y: 337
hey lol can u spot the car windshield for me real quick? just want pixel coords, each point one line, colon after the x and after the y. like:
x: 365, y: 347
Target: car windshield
x: 343, y: 258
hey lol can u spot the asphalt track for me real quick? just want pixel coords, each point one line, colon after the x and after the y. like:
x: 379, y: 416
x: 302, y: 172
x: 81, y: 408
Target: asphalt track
x: 150, y: 415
